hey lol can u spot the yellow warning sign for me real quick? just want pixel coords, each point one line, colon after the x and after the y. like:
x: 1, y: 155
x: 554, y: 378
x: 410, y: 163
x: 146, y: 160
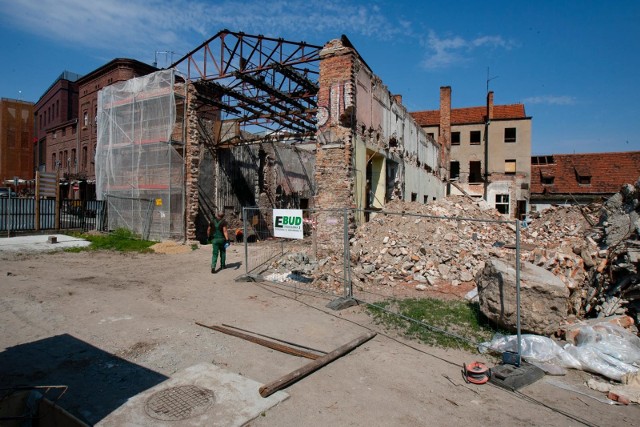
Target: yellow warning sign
x: 158, y: 202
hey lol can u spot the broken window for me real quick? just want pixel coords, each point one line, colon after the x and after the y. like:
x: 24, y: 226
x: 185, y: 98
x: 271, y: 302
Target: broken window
x: 547, y: 180
x: 475, y: 172
x: 454, y: 170
x: 455, y: 138
x: 474, y: 137
x: 414, y: 197
x: 510, y: 167
x: 509, y: 134
x: 502, y: 203
x: 430, y: 135
x: 425, y: 199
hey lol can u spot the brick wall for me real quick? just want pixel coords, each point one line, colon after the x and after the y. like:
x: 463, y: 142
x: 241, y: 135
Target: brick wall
x: 334, y: 163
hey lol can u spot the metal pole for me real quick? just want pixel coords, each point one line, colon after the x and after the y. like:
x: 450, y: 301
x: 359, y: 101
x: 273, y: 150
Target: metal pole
x: 244, y: 237
x: 518, y: 291
x: 348, y: 256
x: 344, y: 253
x: 9, y: 214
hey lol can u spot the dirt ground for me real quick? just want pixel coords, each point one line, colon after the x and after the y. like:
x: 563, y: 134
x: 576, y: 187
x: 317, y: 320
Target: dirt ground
x: 110, y: 325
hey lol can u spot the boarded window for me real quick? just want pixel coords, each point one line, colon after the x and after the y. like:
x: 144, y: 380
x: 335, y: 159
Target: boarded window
x: 510, y: 167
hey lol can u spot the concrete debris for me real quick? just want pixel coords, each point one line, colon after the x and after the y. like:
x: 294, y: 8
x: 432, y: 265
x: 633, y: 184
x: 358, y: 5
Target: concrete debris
x: 543, y: 297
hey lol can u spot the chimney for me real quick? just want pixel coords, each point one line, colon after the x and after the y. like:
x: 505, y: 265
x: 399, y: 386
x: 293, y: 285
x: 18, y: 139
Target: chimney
x: 490, y: 105
x: 444, y: 138
x: 398, y: 99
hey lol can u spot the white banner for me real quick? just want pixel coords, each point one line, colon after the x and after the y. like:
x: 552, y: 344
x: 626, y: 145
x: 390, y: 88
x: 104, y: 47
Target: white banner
x: 287, y: 223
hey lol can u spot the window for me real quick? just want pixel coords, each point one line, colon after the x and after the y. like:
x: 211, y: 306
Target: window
x: 53, y: 161
x: 425, y: 199
x: 66, y: 159
x: 84, y: 158
x: 475, y: 173
x: 455, y: 138
x: 85, y: 119
x: 510, y: 167
x: 57, y: 108
x: 584, y: 180
x: 74, y: 161
x: 509, y: 134
x: 474, y: 137
x: 547, y: 180
x: 63, y: 131
x: 502, y: 203
x: 430, y: 135
x: 454, y: 170
x: 414, y: 197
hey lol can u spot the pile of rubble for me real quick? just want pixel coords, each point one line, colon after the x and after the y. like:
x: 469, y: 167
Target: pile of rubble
x: 421, y: 249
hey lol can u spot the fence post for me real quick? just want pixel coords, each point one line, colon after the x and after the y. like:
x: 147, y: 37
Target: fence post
x: 244, y: 238
x: 344, y: 252
x: 518, y: 290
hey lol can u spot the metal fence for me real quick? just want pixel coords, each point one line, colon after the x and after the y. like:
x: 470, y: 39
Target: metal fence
x: 304, y: 263
x: 380, y: 263
x: 18, y: 215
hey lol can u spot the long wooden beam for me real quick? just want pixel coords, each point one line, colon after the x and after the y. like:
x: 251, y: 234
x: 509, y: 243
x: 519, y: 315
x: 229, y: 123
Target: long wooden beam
x: 266, y: 343
x: 292, y: 377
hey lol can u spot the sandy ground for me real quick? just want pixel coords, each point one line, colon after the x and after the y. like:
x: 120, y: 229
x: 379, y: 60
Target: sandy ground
x: 110, y: 325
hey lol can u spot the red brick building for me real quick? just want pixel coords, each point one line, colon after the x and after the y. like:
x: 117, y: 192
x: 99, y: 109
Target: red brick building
x: 580, y: 178
x: 57, y: 106
x: 117, y: 70
x: 16, y: 136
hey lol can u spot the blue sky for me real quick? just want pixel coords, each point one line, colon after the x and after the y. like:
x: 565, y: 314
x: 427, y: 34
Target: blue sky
x: 574, y: 64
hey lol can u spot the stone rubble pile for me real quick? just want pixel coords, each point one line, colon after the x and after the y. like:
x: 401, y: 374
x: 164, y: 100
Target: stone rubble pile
x: 427, y: 251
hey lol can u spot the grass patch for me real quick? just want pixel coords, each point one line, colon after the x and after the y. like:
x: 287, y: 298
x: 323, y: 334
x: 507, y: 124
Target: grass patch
x: 457, y: 317
x: 121, y: 240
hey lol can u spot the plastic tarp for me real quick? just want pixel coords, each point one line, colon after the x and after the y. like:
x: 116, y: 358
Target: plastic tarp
x: 604, y: 349
x: 139, y: 171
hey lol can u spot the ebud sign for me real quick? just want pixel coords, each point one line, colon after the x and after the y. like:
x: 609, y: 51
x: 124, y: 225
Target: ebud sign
x: 287, y: 223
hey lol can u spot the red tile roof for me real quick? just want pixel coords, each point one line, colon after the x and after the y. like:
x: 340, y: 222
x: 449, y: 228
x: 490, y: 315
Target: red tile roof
x: 607, y: 172
x: 461, y: 116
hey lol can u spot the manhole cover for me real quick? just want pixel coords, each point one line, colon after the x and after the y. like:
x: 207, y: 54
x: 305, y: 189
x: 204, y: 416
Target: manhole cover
x: 179, y: 403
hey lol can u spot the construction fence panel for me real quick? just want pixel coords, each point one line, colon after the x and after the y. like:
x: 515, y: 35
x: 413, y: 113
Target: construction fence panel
x: 311, y: 263
x: 19, y: 214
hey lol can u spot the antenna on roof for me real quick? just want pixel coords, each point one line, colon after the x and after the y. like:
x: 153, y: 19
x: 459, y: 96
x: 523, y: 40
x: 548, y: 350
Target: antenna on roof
x: 489, y: 79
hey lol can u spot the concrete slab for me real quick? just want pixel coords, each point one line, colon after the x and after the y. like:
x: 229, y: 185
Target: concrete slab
x: 40, y: 243
x: 217, y: 397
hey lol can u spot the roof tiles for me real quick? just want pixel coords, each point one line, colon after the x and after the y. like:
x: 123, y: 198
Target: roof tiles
x: 461, y: 116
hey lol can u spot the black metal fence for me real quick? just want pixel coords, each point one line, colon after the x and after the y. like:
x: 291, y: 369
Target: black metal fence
x: 18, y: 215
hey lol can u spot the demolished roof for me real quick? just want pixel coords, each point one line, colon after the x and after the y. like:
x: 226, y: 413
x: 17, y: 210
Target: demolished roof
x: 471, y: 115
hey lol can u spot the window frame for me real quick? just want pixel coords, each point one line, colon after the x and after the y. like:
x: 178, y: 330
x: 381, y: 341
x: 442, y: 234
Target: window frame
x: 508, y: 138
x: 472, y: 141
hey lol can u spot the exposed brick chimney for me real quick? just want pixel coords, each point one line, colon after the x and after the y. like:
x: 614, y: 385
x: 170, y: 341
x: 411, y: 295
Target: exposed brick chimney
x: 398, y: 99
x: 445, y: 127
x: 490, y: 105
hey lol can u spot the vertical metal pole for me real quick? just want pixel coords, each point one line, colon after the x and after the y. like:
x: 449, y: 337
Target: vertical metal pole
x: 244, y: 237
x: 348, y: 258
x: 518, y: 291
x: 9, y: 214
x: 344, y: 252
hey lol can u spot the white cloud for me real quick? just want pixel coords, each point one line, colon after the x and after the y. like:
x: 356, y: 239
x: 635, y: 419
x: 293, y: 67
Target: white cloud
x: 134, y: 26
x: 550, y: 100
x: 448, y: 51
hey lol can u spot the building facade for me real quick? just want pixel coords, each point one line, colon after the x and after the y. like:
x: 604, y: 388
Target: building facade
x: 117, y: 70
x: 16, y: 140
x: 56, y: 107
x: 486, y: 149
x: 567, y: 179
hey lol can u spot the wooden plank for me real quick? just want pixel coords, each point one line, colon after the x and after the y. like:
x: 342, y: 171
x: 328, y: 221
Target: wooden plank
x: 292, y: 377
x: 270, y: 344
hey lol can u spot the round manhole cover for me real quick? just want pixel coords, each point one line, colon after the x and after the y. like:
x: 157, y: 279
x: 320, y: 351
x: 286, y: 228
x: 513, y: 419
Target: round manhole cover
x: 179, y: 403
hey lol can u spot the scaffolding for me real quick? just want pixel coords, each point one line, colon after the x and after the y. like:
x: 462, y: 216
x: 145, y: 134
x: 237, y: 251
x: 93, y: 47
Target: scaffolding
x: 140, y: 156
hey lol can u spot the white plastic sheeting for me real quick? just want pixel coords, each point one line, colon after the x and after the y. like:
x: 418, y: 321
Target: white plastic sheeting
x: 604, y: 349
x: 138, y: 169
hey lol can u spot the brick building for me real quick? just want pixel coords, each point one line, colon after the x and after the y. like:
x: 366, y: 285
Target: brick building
x: 16, y: 140
x: 117, y: 70
x: 486, y: 149
x: 54, y: 111
x: 560, y: 179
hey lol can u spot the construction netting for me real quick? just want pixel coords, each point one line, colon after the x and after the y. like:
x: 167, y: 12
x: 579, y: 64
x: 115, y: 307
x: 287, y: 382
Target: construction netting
x: 139, y: 156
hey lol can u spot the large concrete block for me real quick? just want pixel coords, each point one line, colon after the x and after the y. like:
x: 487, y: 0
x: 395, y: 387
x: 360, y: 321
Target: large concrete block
x: 544, y: 298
